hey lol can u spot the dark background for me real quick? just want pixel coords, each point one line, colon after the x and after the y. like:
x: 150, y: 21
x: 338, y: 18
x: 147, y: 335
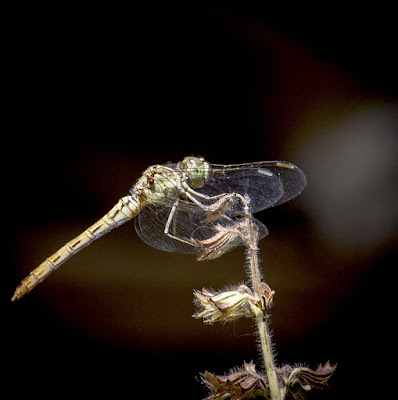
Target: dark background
x: 97, y: 94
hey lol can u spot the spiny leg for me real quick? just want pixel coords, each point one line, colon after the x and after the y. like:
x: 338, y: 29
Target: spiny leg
x: 215, y: 211
x: 223, y: 198
x: 167, y: 226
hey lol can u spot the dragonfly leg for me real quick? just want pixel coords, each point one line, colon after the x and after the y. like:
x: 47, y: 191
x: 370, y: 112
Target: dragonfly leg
x: 215, y: 210
x: 222, y: 203
x: 167, y: 227
x: 190, y: 193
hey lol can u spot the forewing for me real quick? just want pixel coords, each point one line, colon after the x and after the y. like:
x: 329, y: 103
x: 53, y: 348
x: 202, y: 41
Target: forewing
x: 267, y: 183
x: 292, y: 178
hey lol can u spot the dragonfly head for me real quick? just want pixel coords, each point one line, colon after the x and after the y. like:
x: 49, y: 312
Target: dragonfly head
x: 197, y: 171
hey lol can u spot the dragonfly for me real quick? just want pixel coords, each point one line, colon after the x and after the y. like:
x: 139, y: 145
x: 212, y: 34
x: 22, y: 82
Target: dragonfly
x: 183, y: 207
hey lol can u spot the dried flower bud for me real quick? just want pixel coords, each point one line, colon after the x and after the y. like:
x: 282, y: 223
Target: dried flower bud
x: 243, y: 384
x: 224, y: 306
x: 267, y: 295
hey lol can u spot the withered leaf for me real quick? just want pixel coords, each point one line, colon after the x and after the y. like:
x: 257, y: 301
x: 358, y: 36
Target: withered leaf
x: 243, y: 384
x: 300, y: 381
x: 267, y: 295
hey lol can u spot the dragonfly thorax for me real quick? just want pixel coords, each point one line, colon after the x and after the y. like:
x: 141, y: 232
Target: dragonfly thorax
x: 156, y: 183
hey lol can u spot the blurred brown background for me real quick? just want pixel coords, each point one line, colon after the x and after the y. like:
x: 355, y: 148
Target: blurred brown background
x: 99, y: 94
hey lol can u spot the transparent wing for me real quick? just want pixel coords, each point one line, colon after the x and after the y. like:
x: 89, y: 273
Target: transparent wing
x: 188, y: 224
x: 151, y: 222
x: 267, y: 183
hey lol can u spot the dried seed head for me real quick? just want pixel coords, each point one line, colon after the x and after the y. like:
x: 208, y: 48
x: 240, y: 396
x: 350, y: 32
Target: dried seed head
x: 224, y: 306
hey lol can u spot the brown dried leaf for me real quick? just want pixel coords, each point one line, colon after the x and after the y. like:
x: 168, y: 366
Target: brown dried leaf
x: 300, y: 381
x: 243, y: 384
x: 267, y: 295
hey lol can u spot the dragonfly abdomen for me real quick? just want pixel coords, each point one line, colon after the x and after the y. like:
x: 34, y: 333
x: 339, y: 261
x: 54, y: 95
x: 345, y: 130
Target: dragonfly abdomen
x: 125, y: 209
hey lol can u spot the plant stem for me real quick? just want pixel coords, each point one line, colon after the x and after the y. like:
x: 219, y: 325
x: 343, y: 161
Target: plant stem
x: 261, y: 318
x: 266, y: 348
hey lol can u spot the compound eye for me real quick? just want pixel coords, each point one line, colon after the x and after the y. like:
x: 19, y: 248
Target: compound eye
x: 195, y: 162
x: 196, y: 171
x: 151, y: 181
x: 192, y: 162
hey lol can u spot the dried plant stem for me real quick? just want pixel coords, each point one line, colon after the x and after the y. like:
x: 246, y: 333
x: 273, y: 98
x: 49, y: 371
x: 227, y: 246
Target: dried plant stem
x: 253, y: 260
x: 251, y: 302
x: 266, y: 348
x: 260, y: 313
